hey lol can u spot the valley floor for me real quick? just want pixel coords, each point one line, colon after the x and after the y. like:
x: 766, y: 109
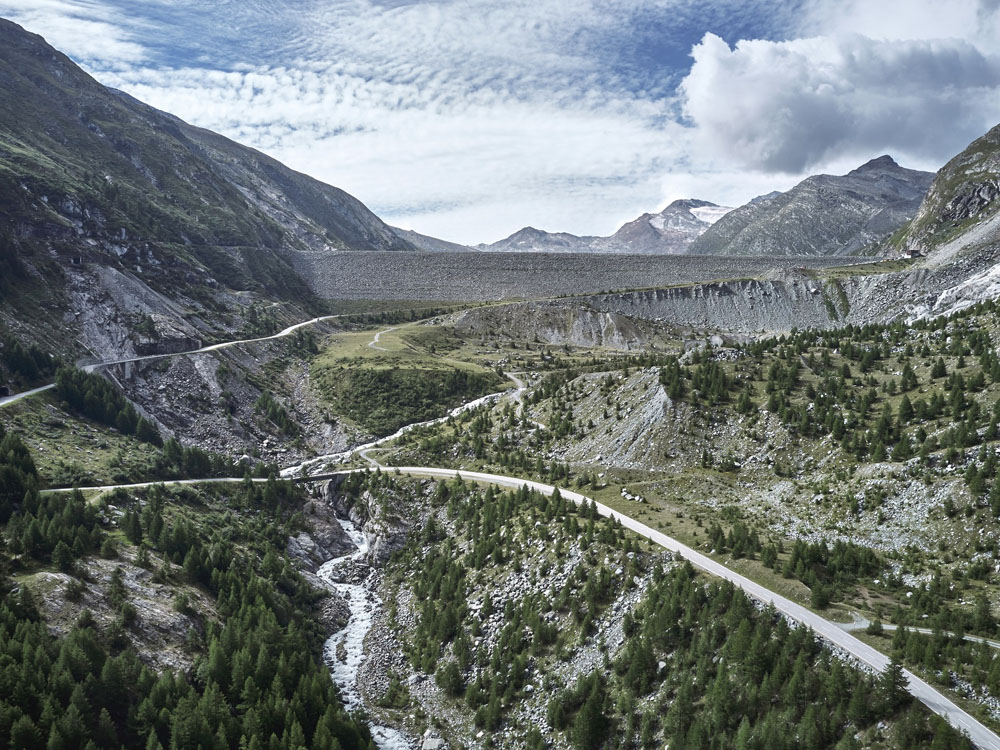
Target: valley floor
x: 614, y: 420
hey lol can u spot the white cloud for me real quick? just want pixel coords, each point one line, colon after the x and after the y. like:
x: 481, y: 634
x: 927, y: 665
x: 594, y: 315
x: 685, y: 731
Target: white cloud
x: 895, y: 20
x: 425, y: 110
x: 83, y: 29
x: 790, y: 106
x: 418, y: 153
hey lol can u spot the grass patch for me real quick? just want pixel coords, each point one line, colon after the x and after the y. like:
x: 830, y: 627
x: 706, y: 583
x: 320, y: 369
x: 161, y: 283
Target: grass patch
x: 70, y: 451
x: 863, y: 269
x: 398, y: 379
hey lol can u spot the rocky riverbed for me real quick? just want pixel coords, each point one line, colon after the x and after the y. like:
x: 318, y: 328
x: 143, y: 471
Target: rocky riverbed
x: 352, y: 579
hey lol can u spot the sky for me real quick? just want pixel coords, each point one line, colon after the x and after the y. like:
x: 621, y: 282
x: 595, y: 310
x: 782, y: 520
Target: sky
x: 469, y: 119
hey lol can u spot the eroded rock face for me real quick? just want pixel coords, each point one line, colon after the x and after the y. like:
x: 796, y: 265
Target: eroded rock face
x: 109, y: 306
x: 381, y: 520
x: 794, y: 299
x: 965, y: 188
x: 745, y: 307
x: 386, y: 542
x: 325, y: 540
x: 971, y: 200
x: 210, y: 400
x: 558, y: 324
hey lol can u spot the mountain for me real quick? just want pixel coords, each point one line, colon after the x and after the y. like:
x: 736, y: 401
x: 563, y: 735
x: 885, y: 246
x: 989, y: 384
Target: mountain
x: 822, y: 215
x: 104, y: 197
x: 961, y: 207
x: 430, y: 244
x: 670, y: 231
x: 79, y: 159
x: 531, y: 240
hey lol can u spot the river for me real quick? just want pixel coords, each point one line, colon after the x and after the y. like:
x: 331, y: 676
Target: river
x: 350, y: 640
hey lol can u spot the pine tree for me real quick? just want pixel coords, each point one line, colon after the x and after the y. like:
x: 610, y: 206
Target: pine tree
x: 905, y: 410
x: 591, y: 726
x: 62, y: 557
x: 892, y: 686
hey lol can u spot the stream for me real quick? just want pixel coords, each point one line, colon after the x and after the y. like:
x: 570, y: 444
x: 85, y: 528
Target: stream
x: 364, y: 604
x: 350, y: 640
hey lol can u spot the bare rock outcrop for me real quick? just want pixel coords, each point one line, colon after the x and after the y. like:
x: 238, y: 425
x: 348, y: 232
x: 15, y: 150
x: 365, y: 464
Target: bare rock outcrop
x: 325, y: 539
x: 382, y: 520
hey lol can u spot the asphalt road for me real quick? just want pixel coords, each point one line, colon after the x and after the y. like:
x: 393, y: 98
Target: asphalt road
x: 4, y: 400
x: 980, y: 735
x: 91, y: 366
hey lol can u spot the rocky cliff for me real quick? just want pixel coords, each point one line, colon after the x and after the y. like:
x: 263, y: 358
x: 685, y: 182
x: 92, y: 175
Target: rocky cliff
x: 559, y: 324
x: 960, y: 208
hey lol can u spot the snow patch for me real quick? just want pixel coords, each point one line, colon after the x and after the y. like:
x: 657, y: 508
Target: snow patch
x: 711, y: 214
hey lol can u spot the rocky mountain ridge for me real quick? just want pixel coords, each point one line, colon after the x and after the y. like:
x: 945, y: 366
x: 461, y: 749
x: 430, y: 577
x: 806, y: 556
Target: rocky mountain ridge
x: 960, y: 208
x: 97, y: 189
x: 822, y: 215
x: 667, y: 232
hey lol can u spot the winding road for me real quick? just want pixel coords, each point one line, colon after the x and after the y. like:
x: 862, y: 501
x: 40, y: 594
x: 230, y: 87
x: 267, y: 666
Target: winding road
x: 980, y: 735
x: 305, y: 468
x: 374, y: 342
x: 4, y: 400
x: 92, y: 366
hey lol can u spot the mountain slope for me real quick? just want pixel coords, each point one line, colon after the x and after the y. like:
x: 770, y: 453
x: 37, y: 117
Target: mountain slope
x: 531, y: 240
x: 114, y: 214
x: 77, y: 158
x: 670, y: 231
x: 430, y: 244
x: 961, y: 201
x: 822, y: 215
